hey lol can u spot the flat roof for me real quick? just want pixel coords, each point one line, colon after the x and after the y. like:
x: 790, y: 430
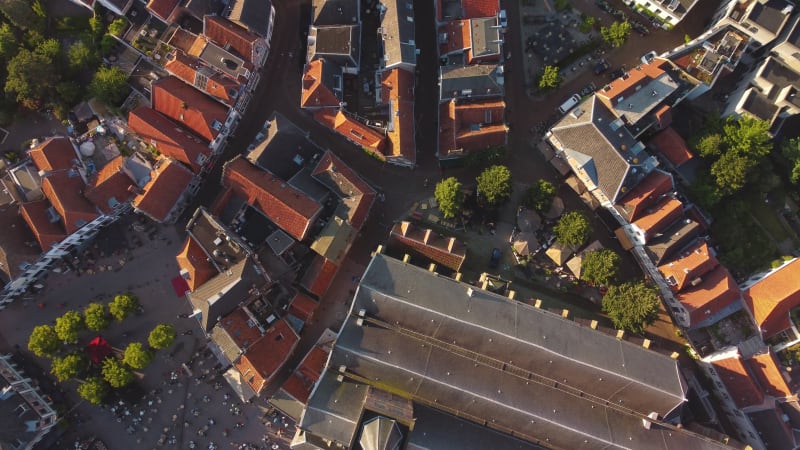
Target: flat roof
x: 220, y: 244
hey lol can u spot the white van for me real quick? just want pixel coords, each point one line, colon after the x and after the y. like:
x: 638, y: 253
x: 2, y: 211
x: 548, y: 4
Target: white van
x: 569, y: 104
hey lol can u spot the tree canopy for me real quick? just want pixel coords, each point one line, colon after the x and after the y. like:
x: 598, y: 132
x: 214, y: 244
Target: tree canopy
x: 94, y: 390
x: 116, y: 373
x: 68, y: 367
x: 137, y: 356
x: 600, y: 266
x: 494, y: 184
x: 540, y: 196
x: 96, y: 316
x: 791, y: 151
x: 162, y: 336
x: 44, y: 341
x: 23, y: 14
x: 123, y: 306
x: 573, y: 229
x: 550, y: 78
x: 8, y: 42
x: 68, y: 326
x: 110, y: 84
x: 30, y: 78
x: 632, y: 306
x: 449, y: 196
x: 616, y: 34
x: 117, y: 26
x: 81, y: 56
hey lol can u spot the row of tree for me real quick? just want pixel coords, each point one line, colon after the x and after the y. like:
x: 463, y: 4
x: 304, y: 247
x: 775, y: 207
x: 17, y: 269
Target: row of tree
x: 493, y: 188
x: 70, y: 361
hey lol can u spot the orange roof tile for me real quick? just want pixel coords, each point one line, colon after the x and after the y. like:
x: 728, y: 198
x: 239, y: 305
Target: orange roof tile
x: 223, y: 32
x: 302, y: 306
x: 716, y: 290
x: 397, y: 87
x: 741, y: 386
x: 635, y: 202
x: 447, y: 251
x: 262, y: 360
x: 459, y: 37
x: 65, y: 193
x: 162, y: 8
x: 319, y: 276
x: 475, y: 9
x: 169, y: 138
x: 289, y: 208
x: 365, y: 194
x: 627, y: 84
x: 195, y: 262
x: 53, y: 154
x: 169, y: 180
x: 237, y: 325
x: 351, y: 129
x: 219, y: 86
x: 767, y: 372
x: 189, y: 107
x: 771, y: 298
x: 302, y: 380
x: 694, y: 263
x: 662, y: 214
x: 46, y: 233
x: 314, y: 93
x: 672, y: 146
x: 110, y: 182
x: 472, y: 126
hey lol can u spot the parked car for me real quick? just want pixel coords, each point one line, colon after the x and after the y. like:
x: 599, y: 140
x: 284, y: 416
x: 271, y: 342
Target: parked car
x: 494, y: 260
x: 640, y: 28
x: 648, y: 57
x: 503, y: 18
x: 601, y: 67
x: 588, y: 90
x: 569, y: 104
x: 617, y: 73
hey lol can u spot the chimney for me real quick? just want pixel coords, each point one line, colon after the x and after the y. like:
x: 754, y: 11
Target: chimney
x: 378, y: 250
x: 485, y: 285
x: 458, y: 276
x: 646, y: 343
x: 406, y: 258
x: 538, y: 303
x: 696, y: 281
x: 511, y: 294
x: 404, y: 227
x: 620, y: 334
x: 593, y: 325
x: 565, y: 313
x: 674, y: 355
x: 432, y: 267
x: 450, y: 244
x: 427, y: 238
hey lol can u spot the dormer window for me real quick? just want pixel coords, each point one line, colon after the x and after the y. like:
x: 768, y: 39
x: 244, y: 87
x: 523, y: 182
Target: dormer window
x: 216, y: 124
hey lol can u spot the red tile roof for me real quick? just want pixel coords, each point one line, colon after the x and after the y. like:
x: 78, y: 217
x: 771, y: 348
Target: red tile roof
x: 692, y: 264
x: 768, y: 374
x: 662, y: 214
x: 66, y: 195
x: 476, y: 9
x: 319, y: 276
x: 302, y: 306
x: 397, y: 89
x: 741, y: 386
x: 189, y: 107
x: 716, y: 290
x: 169, y: 180
x: 223, y: 32
x: 169, y: 138
x: 262, y: 360
x: 315, y: 94
x: 471, y: 127
x: 46, y: 233
x: 645, y: 194
x: 195, y: 262
x: 672, y: 146
x: 771, y: 299
x: 360, y: 190
x: 351, y: 129
x: 459, y: 37
x: 447, y: 251
x: 109, y: 182
x: 287, y: 207
x: 626, y: 85
x: 302, y: 380
x: 162, y: 8
x: 53, y: 154
x: 238, y: 326
x: 219, y: 86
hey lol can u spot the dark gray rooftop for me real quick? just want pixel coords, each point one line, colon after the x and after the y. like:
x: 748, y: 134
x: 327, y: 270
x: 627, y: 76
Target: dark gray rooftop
x: 771, y: 429
x: 221, y: 294
x: 760, y: 106
x: 473, y: 81
x: 397, y: 24
x: 215, y: 55
x: 770, y: 15
x: 794, y: 36
x: 221, y: 245
x: 780, y: 76
x: 334, y: 12
x: 284, y: 148
x: 338, y: 44
x: 334, y: 408
x: 253, y: 15
x: 500, y: 362
x: 672, y: 240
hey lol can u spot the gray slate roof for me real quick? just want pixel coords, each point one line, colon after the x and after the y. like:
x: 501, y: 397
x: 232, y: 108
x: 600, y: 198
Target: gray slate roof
x: 492, y: 359
x: 473, y: 81
x: 252, y: 14
x: 397, y: 22
x: 338, y: 44
x: 283, y: 142
x: 221, y: 294
x: 334, y: 12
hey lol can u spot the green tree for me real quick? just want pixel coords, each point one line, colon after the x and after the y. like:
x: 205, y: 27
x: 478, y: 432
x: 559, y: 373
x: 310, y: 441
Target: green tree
x: 573, y: 229
x: 449, y: 196
x: 96, y: 317
x: 731, y: 171
x: 162, y: 336
x: 80, y: 56
x: 68, y: 92
x: 600, y: 267
x: 632, y: 306
x: 587, y: 23
x: 550, y: 78
x: 30, y: 78
x: 710, y: 145
x: 23, y: 14
x: 44, y: 341
x: 50, y: 49
x: 616, y: 34
x: 110, y: 84
x: 94, y: 390
x: 116, y: 373
x: 118, y: 26
x: 97, y: 27
x: 8, y: 42
x: 494, y: 184
x: 123, y: 306
x: 748, y: 136
x: 68, y: 326
x: 540, y: 196
x: 68, y: 367
x: 107, y: 44
x: 137, y: 356
x: 791, y: 151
